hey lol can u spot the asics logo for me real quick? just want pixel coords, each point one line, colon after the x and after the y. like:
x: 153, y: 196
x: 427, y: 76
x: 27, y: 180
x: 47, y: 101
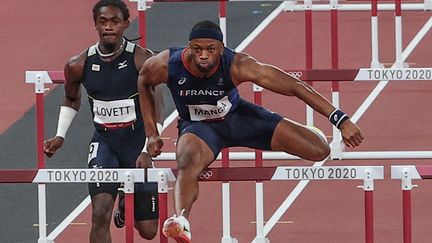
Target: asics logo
x: 220, y: 82
x: 182, y: 81
x: 205, y: 175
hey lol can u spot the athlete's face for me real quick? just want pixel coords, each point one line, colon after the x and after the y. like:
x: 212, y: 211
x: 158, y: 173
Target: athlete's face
x: 110, y: 26
x: 205, y: 53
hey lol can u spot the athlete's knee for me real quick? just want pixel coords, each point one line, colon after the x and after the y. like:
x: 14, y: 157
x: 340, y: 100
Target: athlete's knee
x: 101, y: 218
x: 321, y: 149
x: 147, y: 228
x: 320, y: 152
x: 190, y: 163
x: 101, y: 213
x: 148, y: 233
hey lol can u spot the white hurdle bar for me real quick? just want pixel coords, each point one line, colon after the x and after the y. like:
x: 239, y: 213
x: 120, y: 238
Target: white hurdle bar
x: 294, y: 7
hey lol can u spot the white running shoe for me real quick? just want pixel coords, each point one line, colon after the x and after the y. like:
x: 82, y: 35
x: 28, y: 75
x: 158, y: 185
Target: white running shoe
x: 177, y: 228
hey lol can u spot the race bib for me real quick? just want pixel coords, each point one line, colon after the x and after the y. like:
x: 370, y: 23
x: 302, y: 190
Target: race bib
x: 210, y: 112
x: 93, y: 151
x: 117, y: 111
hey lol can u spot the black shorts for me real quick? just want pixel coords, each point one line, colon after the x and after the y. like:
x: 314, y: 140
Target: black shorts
x: 249, y: 125
x: 117, y: 148
x: 146, y: 201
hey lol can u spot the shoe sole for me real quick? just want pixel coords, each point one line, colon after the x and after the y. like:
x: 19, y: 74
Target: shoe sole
x: 117, y: 222
x: 172, y: 230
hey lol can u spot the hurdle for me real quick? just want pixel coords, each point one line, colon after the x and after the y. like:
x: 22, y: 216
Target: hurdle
x: 408, y: 173
x: 126, y: 176
x: 164, y: 175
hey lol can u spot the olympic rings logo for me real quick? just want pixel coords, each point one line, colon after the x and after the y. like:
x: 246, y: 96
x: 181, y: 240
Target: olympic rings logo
x: 296, y: 74
x: 205, y: 175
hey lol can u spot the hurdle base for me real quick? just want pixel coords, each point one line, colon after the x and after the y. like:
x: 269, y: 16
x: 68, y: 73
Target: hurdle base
x: 260, y: 240
x: 226, y: 239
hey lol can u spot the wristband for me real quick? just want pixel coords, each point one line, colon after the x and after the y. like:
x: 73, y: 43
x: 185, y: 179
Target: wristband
x: 66, y: 115
x: 337, y: 117
x: 159, y: 128
x: 144, y: 150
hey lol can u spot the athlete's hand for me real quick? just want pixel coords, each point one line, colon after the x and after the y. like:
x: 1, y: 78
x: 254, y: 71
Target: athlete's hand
x: 52, y: 145
x: 144, y: 161
x: 154, y: 146
x: 351, y: 134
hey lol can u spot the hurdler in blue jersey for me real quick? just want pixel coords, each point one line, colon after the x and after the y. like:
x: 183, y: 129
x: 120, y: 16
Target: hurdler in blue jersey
x: 203, y: 79
x: 109, y: 71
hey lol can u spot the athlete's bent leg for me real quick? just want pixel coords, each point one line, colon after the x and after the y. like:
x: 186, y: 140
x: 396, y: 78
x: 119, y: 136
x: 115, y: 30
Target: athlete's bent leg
x: 102, y: 206
x: 147, y: 228
x: 146, y: 209
x: 299, y: 140
x: 193, y: 156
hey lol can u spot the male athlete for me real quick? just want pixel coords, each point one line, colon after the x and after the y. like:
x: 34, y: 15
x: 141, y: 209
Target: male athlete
x: 202, y: 79
x: 108, y: 71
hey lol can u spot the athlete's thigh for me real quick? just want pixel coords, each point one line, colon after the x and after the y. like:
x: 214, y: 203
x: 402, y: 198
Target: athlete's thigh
x: 198, y: 142
x: 128, y: 146
x: 101, y: 156
x: 297, y: 139
x: 146, y: 201
x: 252, y: 126
x: 146, y: 208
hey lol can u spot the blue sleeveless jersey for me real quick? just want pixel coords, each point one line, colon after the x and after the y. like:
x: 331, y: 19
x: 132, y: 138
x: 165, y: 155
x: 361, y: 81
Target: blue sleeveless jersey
x: 112, y: 89
x: 202, y: 99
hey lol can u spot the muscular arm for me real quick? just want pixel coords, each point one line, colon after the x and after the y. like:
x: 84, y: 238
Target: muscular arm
x: 72, y: 101
x: 73, y: 73
x: 153, y: 72
x: 246, y: 68
x: 141, y: 55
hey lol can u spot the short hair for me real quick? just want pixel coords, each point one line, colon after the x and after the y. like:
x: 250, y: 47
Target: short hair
x: 116, y: 3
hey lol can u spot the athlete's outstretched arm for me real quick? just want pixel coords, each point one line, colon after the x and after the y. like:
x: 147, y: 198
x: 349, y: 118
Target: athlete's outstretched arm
x: 152, y: 73
x: 246, y: 68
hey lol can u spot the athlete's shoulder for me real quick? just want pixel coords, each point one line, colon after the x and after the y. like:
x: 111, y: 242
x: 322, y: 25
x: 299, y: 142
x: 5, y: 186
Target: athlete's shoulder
x: 159, y: 60
x: 141, y: 55
x: 145, y: 52
x: 155, y: 69
x: 76, y: 63
x: 241, y: 58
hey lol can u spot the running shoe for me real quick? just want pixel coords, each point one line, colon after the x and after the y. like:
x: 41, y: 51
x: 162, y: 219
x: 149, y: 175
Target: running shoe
x: 177, y: 228
x: 118, y: 216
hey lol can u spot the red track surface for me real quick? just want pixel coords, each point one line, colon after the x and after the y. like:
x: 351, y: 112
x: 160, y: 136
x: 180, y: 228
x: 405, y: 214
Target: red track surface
x: 325, y: 211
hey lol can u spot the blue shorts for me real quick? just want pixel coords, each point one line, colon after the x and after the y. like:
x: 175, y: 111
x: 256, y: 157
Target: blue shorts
x: 119, y: 148
x: 249, y: 125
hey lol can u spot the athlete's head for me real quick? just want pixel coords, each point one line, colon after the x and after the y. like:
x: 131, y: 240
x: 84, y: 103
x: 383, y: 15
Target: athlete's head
x: 111, y: 18
x: 206, y: 45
